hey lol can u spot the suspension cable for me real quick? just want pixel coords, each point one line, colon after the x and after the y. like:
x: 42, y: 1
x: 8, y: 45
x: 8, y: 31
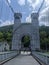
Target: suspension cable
x: 10, y: 6
x: 41, y: 6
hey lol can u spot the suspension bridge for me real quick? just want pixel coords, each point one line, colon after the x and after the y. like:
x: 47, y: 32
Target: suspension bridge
x: 20, y: 56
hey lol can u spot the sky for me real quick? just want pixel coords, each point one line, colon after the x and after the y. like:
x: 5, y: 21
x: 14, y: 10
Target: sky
x: 26, y: 7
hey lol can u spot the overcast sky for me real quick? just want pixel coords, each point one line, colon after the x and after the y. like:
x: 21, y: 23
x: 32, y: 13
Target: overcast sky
x: 26, y: 7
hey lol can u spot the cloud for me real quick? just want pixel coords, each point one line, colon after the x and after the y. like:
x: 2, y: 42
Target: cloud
x: 21, y: 2
x: 33, y: 3
x: 44, y: 16
x: 6, y: 2
x: 36, y: 3
x: 47, y: 2
x: 28, y: 19
x: 7, y: 22
x: 45, y: 11
x: 43, y: 23
x: 9, y: 1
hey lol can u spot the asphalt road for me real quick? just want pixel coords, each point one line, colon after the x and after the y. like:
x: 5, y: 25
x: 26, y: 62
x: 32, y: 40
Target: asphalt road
x: 22, y: 60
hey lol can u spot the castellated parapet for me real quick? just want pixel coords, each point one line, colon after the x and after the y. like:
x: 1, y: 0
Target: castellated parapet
x: 34, y: 15
x: 17, y: 15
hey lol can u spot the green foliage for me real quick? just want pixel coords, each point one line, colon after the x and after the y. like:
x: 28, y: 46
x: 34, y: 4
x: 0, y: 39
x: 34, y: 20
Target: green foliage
x: 9, y: 36
x: 1, y: 36
x: 26, y: 41
x: 6, y: 34
x: 44, y: 37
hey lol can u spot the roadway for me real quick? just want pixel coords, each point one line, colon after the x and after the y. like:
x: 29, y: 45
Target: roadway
x: 22, y: 59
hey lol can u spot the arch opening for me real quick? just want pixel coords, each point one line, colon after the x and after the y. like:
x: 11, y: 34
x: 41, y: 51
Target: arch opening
x: 25, y: 43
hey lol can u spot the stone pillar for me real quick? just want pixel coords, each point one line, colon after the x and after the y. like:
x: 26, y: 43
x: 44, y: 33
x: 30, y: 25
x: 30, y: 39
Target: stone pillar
x: 17, y: 23
x: 35, y: 31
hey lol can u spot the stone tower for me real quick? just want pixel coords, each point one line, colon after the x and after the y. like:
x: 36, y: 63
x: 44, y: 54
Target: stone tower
x: 35, y: 31
x: 29, y: 29
x: 17, y: 23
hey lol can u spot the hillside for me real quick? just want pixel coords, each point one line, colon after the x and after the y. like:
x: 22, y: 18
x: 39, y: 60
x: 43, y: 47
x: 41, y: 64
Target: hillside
x: 6, y: 28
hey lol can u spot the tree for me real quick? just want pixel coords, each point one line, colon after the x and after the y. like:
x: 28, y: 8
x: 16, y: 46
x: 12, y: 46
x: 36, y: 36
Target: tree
x: 26, y: 41
x: 43, y: 34
x: 1, y: 36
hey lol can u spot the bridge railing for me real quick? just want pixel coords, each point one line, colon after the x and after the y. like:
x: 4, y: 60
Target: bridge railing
x: 7, y: 55
x: 43, y: 57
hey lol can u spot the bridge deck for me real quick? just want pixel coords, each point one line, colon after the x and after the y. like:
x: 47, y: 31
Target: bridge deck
x: 22, y: 60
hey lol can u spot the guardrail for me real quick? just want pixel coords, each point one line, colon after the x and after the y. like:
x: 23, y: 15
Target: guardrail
x: 43, y: 57
x: 7, y: 55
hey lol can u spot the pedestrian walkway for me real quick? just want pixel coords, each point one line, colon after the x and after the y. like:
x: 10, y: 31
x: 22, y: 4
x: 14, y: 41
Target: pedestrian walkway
x: 22, y: 60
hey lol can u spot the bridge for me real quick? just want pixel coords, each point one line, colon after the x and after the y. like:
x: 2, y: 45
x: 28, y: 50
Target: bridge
x: 24, y: 58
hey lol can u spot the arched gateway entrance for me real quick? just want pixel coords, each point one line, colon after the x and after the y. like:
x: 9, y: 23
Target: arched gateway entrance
x: 25, y: 35
x: 25, y: 43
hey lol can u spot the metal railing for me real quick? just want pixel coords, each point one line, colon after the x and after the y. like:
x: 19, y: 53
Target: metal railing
x: 6, y: 55
x: 43, y: 57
